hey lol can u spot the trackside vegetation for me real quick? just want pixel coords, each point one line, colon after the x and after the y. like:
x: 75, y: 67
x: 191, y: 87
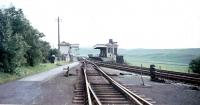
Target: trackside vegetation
x: 22, y: 50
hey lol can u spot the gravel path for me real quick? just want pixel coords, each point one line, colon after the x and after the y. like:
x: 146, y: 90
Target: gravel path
x: 48, y: 74
x: 47, y: 88
x: 161, y: 93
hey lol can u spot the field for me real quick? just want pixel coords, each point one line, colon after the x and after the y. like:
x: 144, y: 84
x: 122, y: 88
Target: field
x: 166, y: 59
x: 172, y: 66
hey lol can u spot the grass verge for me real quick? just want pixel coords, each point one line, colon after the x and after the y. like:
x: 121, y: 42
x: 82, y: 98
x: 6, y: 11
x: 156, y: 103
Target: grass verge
x: 28, y: 70
x: 176, y: 68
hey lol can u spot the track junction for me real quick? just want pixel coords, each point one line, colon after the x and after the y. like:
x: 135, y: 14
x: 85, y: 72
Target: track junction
x: 95, y: 87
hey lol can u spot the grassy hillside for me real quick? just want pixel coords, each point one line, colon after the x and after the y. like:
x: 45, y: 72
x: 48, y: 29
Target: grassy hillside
x: 170, y: 59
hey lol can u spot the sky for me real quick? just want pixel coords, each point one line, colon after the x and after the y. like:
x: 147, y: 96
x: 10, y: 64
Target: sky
x: 151, y: 24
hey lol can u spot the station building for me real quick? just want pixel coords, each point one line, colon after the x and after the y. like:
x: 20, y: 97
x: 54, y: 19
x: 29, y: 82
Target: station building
x: 68, y: 50
x: 108, y: 52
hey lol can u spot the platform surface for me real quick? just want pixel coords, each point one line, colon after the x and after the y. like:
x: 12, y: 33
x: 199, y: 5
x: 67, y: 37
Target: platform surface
x: 47, y: 88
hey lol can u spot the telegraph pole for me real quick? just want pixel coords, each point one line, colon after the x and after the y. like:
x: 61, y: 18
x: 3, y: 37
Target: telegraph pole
x: 58, y: 34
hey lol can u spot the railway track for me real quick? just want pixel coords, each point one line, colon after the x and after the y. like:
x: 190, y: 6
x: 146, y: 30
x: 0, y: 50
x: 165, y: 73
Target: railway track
x: 97, y: 88
x: 171, y: 75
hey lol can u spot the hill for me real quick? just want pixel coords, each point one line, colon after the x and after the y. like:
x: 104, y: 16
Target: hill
x: 170, y: 59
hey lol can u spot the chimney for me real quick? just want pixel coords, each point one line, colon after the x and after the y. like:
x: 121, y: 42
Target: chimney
x: 111, y: 41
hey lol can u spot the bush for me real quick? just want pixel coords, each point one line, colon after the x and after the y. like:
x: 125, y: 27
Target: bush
x: 55, y: 52
x: 195, y: 65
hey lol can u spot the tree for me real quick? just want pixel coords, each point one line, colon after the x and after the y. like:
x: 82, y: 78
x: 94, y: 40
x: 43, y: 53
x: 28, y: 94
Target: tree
x: 45, y: 49
x: 20, y: 43
x: 21, y: 26
x: 195, y: 65
x: 12, y: 46
x: 33, y: 54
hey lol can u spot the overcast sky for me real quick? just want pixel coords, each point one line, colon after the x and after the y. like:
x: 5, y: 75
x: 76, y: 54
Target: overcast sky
x: 132, y: 23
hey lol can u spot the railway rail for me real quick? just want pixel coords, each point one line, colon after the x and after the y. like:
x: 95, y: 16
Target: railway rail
x: 100, y: 89
x: 171, y: 75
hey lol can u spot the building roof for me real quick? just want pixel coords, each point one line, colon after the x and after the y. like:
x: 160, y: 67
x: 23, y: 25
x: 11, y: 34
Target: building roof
x: 63, y: 43
x: 101, y: 46
x: 98, y: 46
x: 110, y: 44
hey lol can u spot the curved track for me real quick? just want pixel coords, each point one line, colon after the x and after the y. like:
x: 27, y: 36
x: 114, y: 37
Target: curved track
x: 101, y: 89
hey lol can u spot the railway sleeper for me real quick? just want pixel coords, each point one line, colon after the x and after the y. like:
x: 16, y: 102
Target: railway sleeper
x: 113, y: 99
x: 109, y: 102
x: 111, y: 95
x: 105, y: 90
x: 108, y: 93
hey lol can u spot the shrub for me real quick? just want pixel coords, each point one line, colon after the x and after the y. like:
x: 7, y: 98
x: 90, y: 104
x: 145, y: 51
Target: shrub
x: 195, y: 65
